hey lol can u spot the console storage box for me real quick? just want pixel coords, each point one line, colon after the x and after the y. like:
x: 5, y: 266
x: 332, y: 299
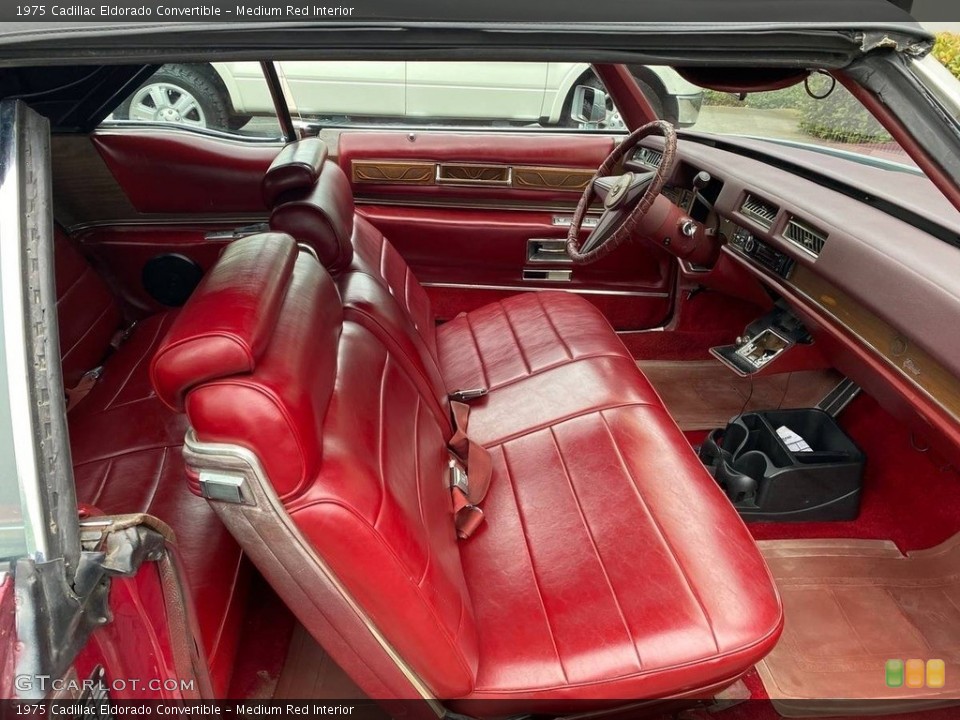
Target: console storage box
x: 768, y: 481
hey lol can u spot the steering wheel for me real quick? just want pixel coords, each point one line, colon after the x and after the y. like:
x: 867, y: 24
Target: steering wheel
x: 626, y: 198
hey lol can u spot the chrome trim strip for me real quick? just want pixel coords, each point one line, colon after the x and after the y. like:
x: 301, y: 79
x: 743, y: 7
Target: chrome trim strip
x: 659, y: 328
x: 170, y: 221
x: 461, y: 205
x: 232, y: 459
x: 521, y: 288
x: 440, y: 179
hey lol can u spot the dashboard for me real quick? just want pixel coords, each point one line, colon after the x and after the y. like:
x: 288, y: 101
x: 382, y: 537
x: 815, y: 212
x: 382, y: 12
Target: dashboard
x: 881, y: 295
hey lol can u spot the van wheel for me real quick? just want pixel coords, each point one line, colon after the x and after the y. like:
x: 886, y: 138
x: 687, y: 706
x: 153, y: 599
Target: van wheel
x: 177, y: 94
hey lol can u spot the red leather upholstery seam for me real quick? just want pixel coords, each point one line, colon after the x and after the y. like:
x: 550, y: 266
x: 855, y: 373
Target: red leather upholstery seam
x: 454, y: 645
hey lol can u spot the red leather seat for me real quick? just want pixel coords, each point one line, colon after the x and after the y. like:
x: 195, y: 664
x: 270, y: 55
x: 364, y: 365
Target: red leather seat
x: 610, y: 565
x: 126, y: 449
x: 521, y: 350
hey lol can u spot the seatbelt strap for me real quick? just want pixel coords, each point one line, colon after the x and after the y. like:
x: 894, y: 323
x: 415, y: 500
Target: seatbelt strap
x: 82, y: 388
x: 472, y: 454
x: 467, y: 493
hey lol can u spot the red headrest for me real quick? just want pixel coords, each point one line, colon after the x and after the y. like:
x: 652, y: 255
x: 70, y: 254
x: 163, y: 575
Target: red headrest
x: 294, y: 169
x: 227, y: 322
x: 322, y: 219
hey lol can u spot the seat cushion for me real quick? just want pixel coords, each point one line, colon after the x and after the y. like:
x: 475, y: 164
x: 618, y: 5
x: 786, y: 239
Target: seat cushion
x: 611, y: 566
x: 521, y: 336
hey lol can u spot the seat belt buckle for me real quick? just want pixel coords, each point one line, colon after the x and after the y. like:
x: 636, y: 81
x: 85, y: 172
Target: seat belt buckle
x: 458, y: 478
x: 467, y: 517
x: 467, y: 395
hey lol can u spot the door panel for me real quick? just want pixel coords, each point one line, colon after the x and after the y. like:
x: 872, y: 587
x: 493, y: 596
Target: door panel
x: 134, y: 195
x: 185, y: 172
x: 476, y: 217
x: 122, y: 252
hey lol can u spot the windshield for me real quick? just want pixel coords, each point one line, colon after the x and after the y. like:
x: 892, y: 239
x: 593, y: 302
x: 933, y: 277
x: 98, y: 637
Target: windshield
x: 819, y: 113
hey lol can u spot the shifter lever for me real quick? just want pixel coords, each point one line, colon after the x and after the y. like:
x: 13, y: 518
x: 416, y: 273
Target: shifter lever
x: 700, y: 181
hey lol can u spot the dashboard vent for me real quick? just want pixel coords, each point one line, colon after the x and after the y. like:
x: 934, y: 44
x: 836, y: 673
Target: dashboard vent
x: 649, y: 157
x: 759, y: 211
x: 804, y: 236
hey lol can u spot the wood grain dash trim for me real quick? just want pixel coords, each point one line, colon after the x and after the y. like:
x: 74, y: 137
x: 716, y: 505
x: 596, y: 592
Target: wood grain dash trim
x: 392, y: 172
x: 899, y: 351
x: 551, y: 178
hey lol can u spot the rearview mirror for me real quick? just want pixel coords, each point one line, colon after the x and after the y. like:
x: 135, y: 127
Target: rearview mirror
x: 589, y: 105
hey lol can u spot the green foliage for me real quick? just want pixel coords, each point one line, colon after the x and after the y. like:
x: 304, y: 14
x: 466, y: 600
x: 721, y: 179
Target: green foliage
x: 841, y: 118
x: 947, y: 51
x: 790, y: 98
x: 836, y: 118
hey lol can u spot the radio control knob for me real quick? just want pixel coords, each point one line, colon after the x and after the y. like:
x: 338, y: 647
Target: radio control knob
x: 750, y: 244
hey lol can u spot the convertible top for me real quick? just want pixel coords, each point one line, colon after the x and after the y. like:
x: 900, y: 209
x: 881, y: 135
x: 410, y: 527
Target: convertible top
x: 75, y: 73
x: 221, y: 24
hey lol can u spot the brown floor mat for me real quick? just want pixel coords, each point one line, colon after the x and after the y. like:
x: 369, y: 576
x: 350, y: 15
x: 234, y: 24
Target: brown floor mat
x: 852, y: 605
x: 310, y: 674
x: 705, y: 394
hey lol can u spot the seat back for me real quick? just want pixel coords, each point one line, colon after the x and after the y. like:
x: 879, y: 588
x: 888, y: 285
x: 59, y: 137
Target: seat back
x: 87, y: 311
x: 261, y: 357
x: 316, y: 207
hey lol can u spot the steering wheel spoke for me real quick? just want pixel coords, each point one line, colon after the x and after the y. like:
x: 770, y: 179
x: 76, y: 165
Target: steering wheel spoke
x: 606, y: 226
x: 626, y: 197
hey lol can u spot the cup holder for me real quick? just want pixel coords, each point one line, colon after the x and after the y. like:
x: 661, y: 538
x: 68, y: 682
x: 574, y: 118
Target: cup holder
x: 767, y: 480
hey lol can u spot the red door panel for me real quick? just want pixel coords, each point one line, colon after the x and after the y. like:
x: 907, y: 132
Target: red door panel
x: 179, y: 171
x: 467, y: 258
x: 121, y: 252
x: 469, y: 243
x: 182, y: 186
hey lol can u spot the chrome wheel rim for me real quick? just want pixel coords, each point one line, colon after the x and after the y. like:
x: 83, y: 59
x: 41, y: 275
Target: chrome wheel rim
x: 166, y: 102
x: 614, y: 121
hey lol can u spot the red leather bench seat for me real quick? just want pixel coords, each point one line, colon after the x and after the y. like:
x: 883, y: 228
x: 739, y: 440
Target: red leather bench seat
x: 540, y: 356
x: 610, y: 566
x: 126, y: 449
